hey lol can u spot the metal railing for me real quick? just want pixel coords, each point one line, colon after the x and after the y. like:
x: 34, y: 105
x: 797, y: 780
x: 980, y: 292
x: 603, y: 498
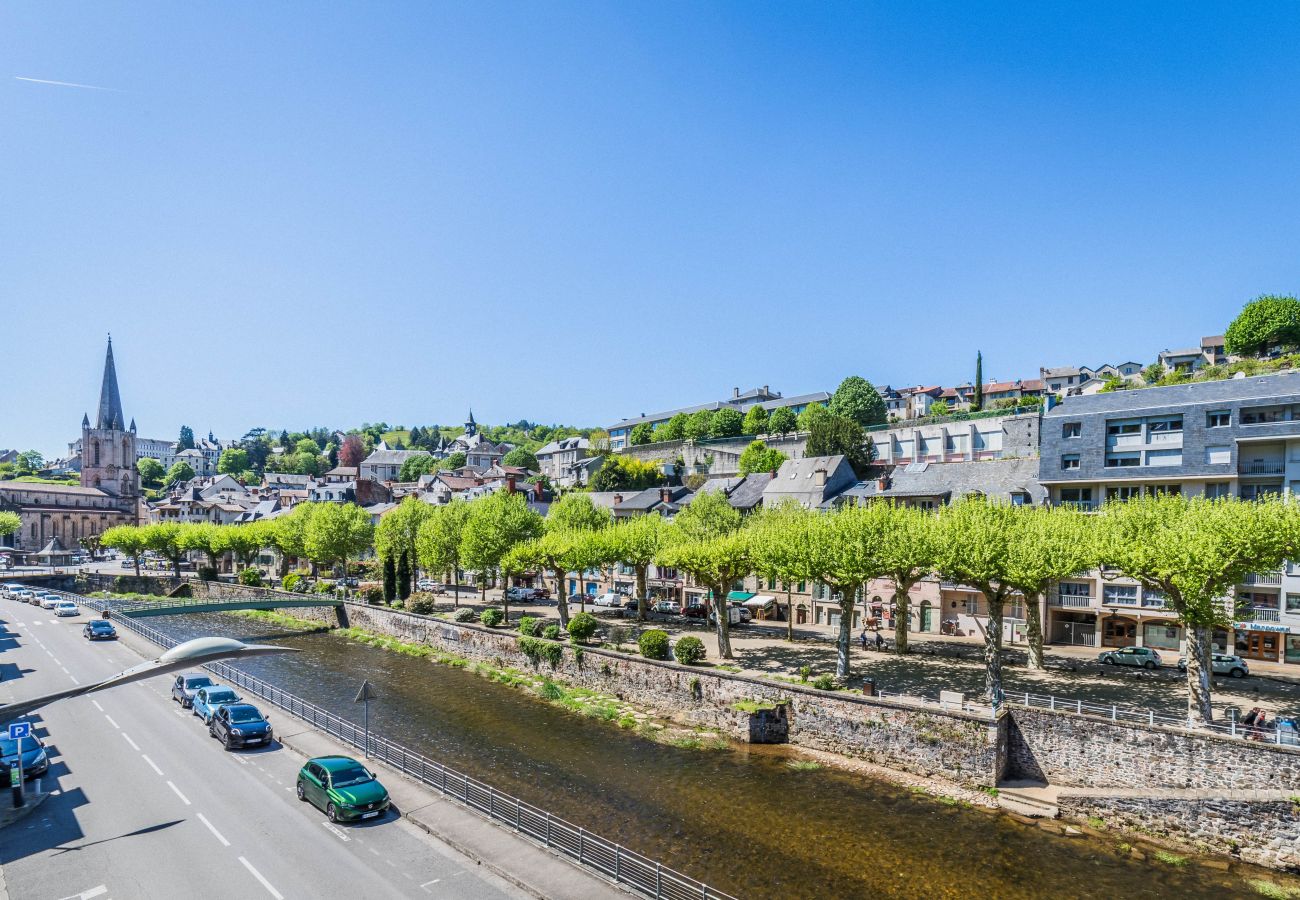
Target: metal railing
x: 1077, y: 600
x: 589, y: 850
x: 1263, y: 578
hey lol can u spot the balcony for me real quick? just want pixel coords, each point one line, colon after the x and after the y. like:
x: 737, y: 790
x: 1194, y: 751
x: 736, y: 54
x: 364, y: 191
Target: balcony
x: 1262, y: 468
x: 1264, y: 579
x: 1258, y: 614
x: 1074, y: 600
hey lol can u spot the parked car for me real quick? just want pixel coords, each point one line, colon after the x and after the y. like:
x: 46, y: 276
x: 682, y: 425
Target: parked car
x: 67, y: 608
x: 99, y: 630
x: 520, y: 594
x: 629, y: 603
x: 666, y: 606
x: 696, y: 611
x: 579, y: 598
x: 207, y: 700
x: 240, y: 725
x: 35, y: 759
x: 541, y: 593
x: 609, y: 598
x: 1144, y: 657
x: 1222, y: 664
x: 34, y: 598
x: 349, y: 581
x: 736, y: 615
x: 343, y: 788
x: 49, y: 601
x: 426, y: 586
x: 184, y: 687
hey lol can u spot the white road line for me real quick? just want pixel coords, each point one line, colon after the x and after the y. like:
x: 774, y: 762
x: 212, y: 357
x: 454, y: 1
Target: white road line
x: 373, y: 850
x: 134, y: 745
x: 51, y: 655
x: 184, y: 799
x: 425, y: 886
x: 240, y: 760
x: 97, y: 706
x: 74, y: 679
x: 111, y: 722
x: 65, y: 669
x: 258, y: 875
x: 337, y: 833
x: 151, y: 763
x: 90, y: 894
x: 216, y: 834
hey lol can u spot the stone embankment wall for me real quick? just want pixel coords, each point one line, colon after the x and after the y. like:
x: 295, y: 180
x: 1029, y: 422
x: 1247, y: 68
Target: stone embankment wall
x: 958, y: 746
x: 1265, y: 832
x: 1068, y: 749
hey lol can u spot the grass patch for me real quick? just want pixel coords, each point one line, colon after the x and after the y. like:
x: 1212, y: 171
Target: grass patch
x: 1170, y: 859
x: 804, y: 765
x: 277, y: 618
x: 991, y: 791
x: 549, y: 690
x: 1272, y: 889
x: 1096, y: 822
x: 752, y: 706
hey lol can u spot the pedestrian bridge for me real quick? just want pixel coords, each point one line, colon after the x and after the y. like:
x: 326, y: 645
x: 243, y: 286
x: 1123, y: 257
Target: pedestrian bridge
x: 166, y: 606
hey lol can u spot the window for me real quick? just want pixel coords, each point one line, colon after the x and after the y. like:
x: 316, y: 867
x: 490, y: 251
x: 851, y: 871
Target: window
x: 1120, y: 594
x: 1075, y: 589
x: 1081, y: 496
x: 1293, y: 603
x: 1215, y: 489
x: 1172, y: 423
x: 1071, y: 429
x: 1070, y: 461
x: 1153, y: 599
x: 1124, y: 492
x: 1123, y: 460
x: 1123, y: 428
x: 1220, y: 418
x: 1263, y: 415
x: 1020, y: 498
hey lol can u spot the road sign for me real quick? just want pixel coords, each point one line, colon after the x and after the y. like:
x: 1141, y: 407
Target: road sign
x: 367, y: 692
x: 19, y: 730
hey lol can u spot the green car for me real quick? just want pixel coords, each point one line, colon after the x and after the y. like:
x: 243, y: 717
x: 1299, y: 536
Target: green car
x: 346, y: 790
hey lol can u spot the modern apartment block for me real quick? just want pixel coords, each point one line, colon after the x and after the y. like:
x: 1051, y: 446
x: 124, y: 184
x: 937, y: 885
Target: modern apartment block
x: 1239, y: 437
x: 958, y: 440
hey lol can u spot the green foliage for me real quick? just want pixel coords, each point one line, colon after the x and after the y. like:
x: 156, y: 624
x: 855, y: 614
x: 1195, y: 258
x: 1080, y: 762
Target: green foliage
x: 336, y: 531
x: 207, y: 573
x: 674, y: 429
x: 495, y: 525
x: 689, y: 650
x: 977, y: 397
x: 186, y: 439
x: 812, y: 414
x: 9, y: 522
x: 575, y: 512
x: 824, y: 682
x: 856, y: 399
x: 250, y: 577
x: 537, y: 650
x: 626, y: 473
x: 290, y: 582
x: 755, y: 420
x: 151, y: 471
x: 804, y: 672
x: 708, y: 515
x: 1113, y: 383
x: 727, y: 422
x: 782, y: 421
x: 940, y: 408
x: 758, y: 457
x: 390, y: 579
x: 835, y: 435
x: 653, y: 644
x: 582, y: 627
x: 522, y: 458
x: 438, y: 539
x: 424, y: 604
x: 698, y: 425
x: 1265, y: 322
x: 551, y: 632
x: 464, y: 614
x: 416, y: 466
x: 641, y: 434
x: 374, y: 596
x: 528, y: 626
x: 492, y: 617
x: 1153, y: 373
x: 180, y: 471
x: 233, y: 461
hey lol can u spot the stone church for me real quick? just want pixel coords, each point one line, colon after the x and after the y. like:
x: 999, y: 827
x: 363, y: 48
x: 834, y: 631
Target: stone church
x: 109, y: 493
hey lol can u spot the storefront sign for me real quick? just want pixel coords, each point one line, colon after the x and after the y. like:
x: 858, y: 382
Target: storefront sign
x: 1260, y: 626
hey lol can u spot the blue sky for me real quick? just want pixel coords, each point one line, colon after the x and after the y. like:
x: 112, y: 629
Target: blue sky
x: 293, y: 214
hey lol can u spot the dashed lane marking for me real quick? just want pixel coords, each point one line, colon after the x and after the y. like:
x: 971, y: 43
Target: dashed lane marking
x: 258, y: 875
x: 184, y: 799
x: 134, y: 745
x: 97, y: 891
x: 111, y: 722
x: 97, y: 706
x: 74, y: 679
x: 151, y: 763
x: 216, y: 834
x: 336, y: 832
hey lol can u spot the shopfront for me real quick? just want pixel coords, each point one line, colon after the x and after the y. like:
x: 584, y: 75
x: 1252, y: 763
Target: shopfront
x: 1119, y: 631
x: 1166, y: 635
x: 1263, y: 641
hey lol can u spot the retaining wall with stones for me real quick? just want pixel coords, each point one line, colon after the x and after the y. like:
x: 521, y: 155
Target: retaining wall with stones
x: 1265, y: 832
x: 1068, y: 749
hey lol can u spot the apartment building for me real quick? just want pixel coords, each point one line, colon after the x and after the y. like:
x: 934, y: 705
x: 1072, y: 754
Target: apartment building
x: 1239, y: 437
x: 958, y: 440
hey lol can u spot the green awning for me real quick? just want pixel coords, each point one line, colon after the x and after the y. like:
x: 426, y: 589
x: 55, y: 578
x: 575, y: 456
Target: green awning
x: 739, y: 596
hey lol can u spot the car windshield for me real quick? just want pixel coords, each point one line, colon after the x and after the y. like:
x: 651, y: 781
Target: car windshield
x: 101, y: 626
x: 242, y: 716
x: 195, y: 683
x: 349, y: 777
x: 221, y: 696
x: 9, y: 748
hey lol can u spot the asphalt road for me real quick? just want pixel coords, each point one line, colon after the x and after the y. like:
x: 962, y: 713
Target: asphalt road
x: 144, y: 804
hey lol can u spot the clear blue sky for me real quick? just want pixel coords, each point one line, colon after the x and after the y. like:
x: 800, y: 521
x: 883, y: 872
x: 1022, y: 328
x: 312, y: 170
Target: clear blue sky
x: 322, y: 214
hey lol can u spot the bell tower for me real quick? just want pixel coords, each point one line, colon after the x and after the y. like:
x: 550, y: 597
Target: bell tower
x: 108, y: 448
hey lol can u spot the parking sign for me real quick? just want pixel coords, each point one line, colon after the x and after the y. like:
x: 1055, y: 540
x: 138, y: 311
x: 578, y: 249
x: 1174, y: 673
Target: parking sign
x: 19, y: 730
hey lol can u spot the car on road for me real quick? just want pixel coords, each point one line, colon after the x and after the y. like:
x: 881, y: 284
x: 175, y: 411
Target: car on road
x: 99, y: 630
x: 666, y: 606
x: 184, y: 687
x: 1222, y: 664
x: 207, y: 700
x: 49, y: 601
x: 35, y: 759
x: 344, y: 789
x: 522, y: 595
x: 609, y: 598
x: 426, y: 586
x: 1143, y: 657
x: 240, y: 725
x: 696, y: 611
x: 67, y: 608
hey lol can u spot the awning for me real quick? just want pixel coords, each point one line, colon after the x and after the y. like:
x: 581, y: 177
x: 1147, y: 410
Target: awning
x: 739, y: 596
x: 760, y: 601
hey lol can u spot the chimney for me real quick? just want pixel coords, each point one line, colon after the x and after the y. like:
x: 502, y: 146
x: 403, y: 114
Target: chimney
x: 510, y: 484
x: 882, y: 483
x: 618, y: 498
x: 766, y: 389
x: 537, y: 491
x: 735, y: 392
x: 665, y: 495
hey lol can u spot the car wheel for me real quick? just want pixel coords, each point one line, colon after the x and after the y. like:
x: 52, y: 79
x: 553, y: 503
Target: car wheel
x: 331, y: 813
x: 302, y: 794
x: 226, y: 744
x: 1149, y: 665
x: 1109, y: 661
x: 212, y: 732
x: 1238, y: 673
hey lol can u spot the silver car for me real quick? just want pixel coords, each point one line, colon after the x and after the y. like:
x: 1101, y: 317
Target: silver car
x: 1222, y: 664
x: 184, y: 687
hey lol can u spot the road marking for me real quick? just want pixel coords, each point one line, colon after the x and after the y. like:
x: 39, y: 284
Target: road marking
x: 88, y: 895
x: 337, y: 833
x: 258, y: 875
x: 74, y: 679
x: 97, y: 706
x: 216, y: 834
x: 425, y: 886
x: 65, y: 669
x: 185, y: 799
x: 51, y: 655
x: 134, y: 745
x: 240, y: 760
x: 373, y: 850
x: 151, y: 763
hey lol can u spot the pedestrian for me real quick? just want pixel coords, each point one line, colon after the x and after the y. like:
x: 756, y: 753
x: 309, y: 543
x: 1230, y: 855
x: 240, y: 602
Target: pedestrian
x: 880, y: 642
x: 863, y: 638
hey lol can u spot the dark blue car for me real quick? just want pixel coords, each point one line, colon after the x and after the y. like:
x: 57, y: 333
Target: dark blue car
x: 35, y: 760
x: 99, y: 630
x: 240, y: 725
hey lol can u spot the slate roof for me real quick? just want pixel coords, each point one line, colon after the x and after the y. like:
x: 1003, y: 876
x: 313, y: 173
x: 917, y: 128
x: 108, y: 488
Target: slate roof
x: 569, y: 443
x: 744, y: 492
x: 741, y: 404
x: 1258, y: 387
x: 391, y: 457
x: 796, y: 480
x: 997, y: 479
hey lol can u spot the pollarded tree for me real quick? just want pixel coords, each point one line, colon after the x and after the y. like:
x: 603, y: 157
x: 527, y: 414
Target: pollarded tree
x: 575, y: 512
x: 779, y: 538
x: 164, y: 538
x: 717, y: 563
x: 782, y: 421
x: 438, y: 542
x: 396, y: 534
x: 637, y: 542
x: 708, y: 515
x: 906, y: 556
x: 557, y: 552
x: 755, y: 420
x: 204, y: 537
x: 246, y: 541
x: 337, y: 531
x: 128, y: 539
x: 1196, y: 551
x: 974, y: 547
x: 846, y: 550
x: 1048, y: 543
x: 1263, y: 323
x: 496, y: 524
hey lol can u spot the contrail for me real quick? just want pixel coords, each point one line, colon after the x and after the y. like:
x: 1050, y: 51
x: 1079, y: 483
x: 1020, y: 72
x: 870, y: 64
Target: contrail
x: 89, y: 87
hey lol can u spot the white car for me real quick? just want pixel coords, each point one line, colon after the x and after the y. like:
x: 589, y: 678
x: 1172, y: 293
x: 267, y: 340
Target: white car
x: 609, y: 598
x: 67, y: 608
x: 49, y: 601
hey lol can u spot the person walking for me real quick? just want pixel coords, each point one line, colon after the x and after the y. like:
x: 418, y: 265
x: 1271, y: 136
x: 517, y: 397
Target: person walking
x: 863, y: 639
x: 880, y: 642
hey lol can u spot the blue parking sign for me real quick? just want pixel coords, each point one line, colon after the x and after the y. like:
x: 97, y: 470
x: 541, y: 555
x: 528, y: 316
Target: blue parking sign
x: 19, y: 730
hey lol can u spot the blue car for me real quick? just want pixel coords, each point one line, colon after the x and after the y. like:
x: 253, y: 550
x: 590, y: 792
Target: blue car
x: 35, y: 760
x: 208, y: 700
x: 240, y: 725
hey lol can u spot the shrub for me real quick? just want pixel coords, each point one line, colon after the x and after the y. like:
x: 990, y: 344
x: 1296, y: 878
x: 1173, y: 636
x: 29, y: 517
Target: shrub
x: 290, y: 581
x: 582, y: 627
x: 689, y: 650
x: 207, y: 573
x: 324, y: 587
x: 654, y: 644
x: 250, y: 577
x: 551, y: 632
x: 464, y: 614
x: 424, y: 604
x: 824, y: 682
x: 374, y: 596
x: 492, y: 617
x: 528, y: 626
x: 804, y: 672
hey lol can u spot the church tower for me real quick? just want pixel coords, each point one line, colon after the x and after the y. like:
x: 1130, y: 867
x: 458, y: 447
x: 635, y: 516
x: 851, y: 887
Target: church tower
x: 108, y: 449
x: 471, y: 427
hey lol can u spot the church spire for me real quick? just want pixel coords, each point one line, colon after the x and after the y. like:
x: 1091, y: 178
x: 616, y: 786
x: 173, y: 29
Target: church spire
x: 110, y: 402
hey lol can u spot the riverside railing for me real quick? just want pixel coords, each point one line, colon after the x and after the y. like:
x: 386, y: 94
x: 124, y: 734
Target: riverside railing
x: 589, y: 850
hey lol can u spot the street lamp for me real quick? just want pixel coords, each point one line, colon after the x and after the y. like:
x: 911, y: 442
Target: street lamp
x: 192, y: 653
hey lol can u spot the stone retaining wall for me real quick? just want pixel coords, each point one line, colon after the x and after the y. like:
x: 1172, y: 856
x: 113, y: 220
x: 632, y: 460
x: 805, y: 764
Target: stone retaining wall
x: 958, y: 746
x: 1068, y: 749
x: 1263, y: 832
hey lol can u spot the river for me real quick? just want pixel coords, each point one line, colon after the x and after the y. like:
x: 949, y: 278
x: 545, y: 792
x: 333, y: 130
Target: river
x: 740, y: 819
